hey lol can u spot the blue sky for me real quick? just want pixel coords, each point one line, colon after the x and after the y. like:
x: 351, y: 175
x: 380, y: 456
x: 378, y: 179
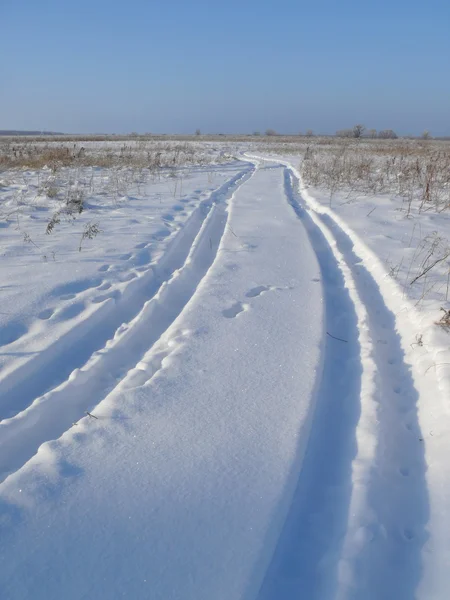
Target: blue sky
x: 225, y: 66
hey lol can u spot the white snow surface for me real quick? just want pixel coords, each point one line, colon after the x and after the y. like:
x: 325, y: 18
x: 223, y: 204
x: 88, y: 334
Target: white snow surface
x: 220, y: 397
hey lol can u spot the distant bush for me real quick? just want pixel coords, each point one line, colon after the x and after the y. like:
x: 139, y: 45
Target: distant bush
x: 387, y: 134
x: 344, y: 133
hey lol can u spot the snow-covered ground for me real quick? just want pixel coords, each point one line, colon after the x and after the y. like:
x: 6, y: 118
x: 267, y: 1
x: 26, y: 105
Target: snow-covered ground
x: 226, y: 393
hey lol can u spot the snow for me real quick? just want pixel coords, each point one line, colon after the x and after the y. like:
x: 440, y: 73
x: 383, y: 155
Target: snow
x: 221, y: 395
x: 398, y: 512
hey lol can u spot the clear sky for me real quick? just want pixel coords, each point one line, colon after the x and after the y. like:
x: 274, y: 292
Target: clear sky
x: 224, y: 66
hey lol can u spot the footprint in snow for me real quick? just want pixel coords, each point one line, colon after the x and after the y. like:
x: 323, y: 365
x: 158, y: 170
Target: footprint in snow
x: 235, y: 310
x: 142, y: 258
x: 128, y: 277
x: 71, y: 311
x: 46, y: 314
x: 257, y: 291
x: 161, y: 234
x: 67, y: 291
x: 261, y: 289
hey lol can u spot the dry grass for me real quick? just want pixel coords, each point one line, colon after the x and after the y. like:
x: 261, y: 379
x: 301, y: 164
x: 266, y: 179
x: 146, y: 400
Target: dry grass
x: 23, y: 153
x: 418, y: 172
x: 61, y: 175
x: 444, y: 321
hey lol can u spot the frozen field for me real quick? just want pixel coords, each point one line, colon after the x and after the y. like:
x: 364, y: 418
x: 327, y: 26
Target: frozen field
x: 225, y: 371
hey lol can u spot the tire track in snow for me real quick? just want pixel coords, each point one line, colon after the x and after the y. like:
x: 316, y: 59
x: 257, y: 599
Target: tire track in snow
x: 305, y: 559
x: 356, y: 525
x: 50, y: 415
x: 53, y: 365
x: 383, y: 551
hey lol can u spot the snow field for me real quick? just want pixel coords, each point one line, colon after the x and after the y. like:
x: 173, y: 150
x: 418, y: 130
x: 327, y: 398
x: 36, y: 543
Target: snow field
x: 266, y: 410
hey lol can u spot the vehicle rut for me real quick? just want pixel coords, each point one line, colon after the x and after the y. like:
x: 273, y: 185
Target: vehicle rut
x: 51, y: 414
x: 364, y: 375
x: 53, y: 365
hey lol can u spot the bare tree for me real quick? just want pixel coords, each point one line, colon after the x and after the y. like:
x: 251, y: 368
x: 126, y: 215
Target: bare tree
x: 358, y: 130
x: 387, y: 134
x: 309, y: 133
x: 271, y: 132
x: 426, y: 135
x: 372, y: 133
x: 198, y: 132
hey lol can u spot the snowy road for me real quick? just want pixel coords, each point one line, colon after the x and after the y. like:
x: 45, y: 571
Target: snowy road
x: 255, y: 432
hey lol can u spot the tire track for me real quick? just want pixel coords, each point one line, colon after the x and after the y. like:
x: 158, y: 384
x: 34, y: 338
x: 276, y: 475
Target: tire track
x: 53, y: 365
x: 353, y: 529
x: 51, y: 414
x: 305, y: 560
x: 382, y: 547
x: 383, y: 553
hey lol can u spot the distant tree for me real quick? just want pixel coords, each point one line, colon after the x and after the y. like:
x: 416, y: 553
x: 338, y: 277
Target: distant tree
x: 256, y: 133
x: 426, y: 135
x: 387, y: 134
x: 358, y: 130
x: 271, y: 132
x: 344, y: 133
x: 309, y: 133
x: 198, y: 132
x: 372, y: 133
